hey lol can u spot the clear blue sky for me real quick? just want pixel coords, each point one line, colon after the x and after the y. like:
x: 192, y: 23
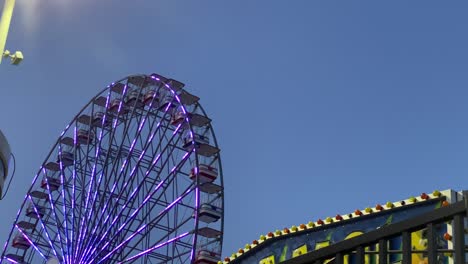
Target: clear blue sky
x: 320, y: 107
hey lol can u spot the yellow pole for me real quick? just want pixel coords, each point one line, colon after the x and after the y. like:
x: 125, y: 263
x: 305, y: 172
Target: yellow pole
x: 5, y: 24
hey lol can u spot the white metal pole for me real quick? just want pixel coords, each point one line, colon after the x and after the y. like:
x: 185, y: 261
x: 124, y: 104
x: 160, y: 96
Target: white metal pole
x: 5, y: 24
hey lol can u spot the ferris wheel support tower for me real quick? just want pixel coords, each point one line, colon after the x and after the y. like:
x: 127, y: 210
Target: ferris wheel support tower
x: 5, y: 21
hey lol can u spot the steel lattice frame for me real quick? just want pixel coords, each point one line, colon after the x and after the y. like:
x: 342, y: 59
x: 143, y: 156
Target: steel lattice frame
x: 122, y: 182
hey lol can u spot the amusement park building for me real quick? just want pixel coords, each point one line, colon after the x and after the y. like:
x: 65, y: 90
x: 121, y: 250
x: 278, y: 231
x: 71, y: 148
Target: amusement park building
x: 430, y: 228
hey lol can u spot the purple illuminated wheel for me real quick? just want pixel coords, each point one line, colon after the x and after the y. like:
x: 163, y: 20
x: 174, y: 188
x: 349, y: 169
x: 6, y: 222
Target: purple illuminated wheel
x: 135, y: 178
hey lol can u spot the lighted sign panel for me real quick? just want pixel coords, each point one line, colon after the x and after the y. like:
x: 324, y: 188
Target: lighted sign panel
x: 282, y: 248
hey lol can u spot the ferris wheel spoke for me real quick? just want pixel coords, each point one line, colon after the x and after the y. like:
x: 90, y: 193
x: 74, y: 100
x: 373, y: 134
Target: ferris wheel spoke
x: 86, y: 211
x: 148, y: 197
x: 154, y: 221
x: 92, y: 198
x: 157, y: 246
x: 131, y: 200
x: 93, y: 177
x: 78, y: 185
x: 43, y: 226
x: 123, y: 187
x: 58, y: 226
x: 137, y: 232
x: 66, y: 257
x: 78, y: 188
x: 114, y: 166
x: 72, y: 200
x: 94, y: 171
x: 30, y: 241
x: 127, y: 182
x: 117, y: 180
x: 58, y: 216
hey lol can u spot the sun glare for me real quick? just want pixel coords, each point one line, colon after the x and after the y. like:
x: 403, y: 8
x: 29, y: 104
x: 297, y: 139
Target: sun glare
x: 30, y: 12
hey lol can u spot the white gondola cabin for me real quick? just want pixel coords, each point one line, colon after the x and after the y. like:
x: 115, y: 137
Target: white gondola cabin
x: 209, y: 213
x: 66, y: 157
x: 54, y: 183
x: 168, y: 101
x: 207, y: 257
x: 101, y: 120
x: 196, y: 139
x: 205, y: 173
x: 134, y: 98
x: 178, y: 118
x: 20, y: 242
x: 85, y: 136
x: 148, y: 98
x: 115, y: 104
x: 31, y: 211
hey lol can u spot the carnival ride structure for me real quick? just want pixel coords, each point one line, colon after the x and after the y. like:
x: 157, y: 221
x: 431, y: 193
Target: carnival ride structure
x: 135, y: 177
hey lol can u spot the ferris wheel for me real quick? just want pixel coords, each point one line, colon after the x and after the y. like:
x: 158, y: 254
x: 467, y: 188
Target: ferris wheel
x: 135, y: 177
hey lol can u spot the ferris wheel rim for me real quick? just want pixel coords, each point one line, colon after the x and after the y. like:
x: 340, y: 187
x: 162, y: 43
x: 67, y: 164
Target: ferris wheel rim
x: 74, y: 121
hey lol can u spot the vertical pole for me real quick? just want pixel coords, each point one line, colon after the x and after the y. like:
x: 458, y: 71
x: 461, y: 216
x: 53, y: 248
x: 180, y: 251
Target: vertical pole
x: 459, y: 235
x: 406, y: 248
x: 5, y: 24
x: 338, y: 258
x: 383, y: 255
x: 431, y: 244
x: 360, y: 255
x: 465, y: 197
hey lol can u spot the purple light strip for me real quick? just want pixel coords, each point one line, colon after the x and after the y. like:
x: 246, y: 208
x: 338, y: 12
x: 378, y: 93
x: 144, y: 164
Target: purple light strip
x: 18, y: 215
x: 62, y: 178
x: 144, y: 226
x: 136, y: 211
x: 197, y: 193
x: 179, y: 125
x: 30, y: 241
x: 75, y: 142
x: 114, y: 126
x: 93, y: 172
x: 124, y: 224
x: 90, y: 212
x: 141, y: 206
x: 123, y: 166
x: 197, y: 206
x: 11, y: 260
x: 156, y: 247
x: 121, y: 101
x: 42, y: 224
x: 53, y: 210
x: 112, y: 191
x: 141, y: 125
x: 132, y: 173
